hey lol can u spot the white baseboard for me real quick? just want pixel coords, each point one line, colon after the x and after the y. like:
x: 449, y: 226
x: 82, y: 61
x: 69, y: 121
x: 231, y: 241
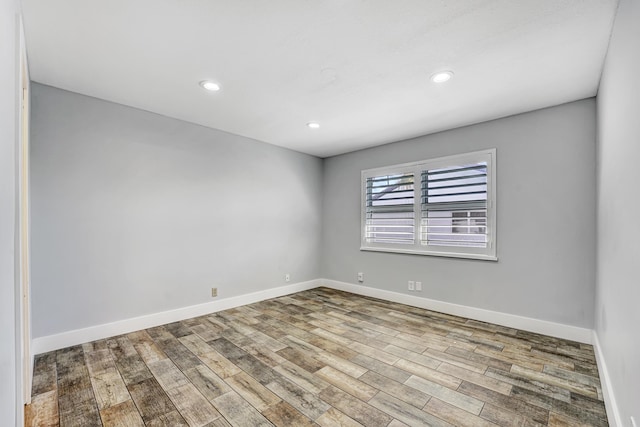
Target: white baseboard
x: 613, y: 414
x: 544, y: 327
x: 92, y: 333
x: 79, y: 336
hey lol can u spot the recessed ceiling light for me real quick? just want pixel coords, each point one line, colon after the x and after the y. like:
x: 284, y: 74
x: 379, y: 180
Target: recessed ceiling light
x: 209, y: 85
x: 313, y: 125
x: 441, y: 76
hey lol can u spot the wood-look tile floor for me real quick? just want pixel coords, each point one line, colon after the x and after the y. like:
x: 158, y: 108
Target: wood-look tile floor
x: 320, y: 357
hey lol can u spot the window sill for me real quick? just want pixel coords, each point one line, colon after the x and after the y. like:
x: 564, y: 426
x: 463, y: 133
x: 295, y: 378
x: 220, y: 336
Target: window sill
x: 439, y: 254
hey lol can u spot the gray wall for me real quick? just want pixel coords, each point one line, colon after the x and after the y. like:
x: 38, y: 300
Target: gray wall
x: 135, y: 213
x: 143, y: 214
x: 8, y: 120
x: 618, y: 281
x: 545, y: 218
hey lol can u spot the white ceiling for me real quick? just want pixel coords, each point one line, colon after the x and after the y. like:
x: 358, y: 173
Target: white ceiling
x: 358, y: 67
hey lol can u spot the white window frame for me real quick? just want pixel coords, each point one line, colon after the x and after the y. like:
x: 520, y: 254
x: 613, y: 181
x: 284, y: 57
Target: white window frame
x: 489, y: 253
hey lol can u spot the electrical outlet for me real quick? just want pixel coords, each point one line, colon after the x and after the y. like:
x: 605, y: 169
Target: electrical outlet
x: 412, y: 285
x: 214, y: 292
x: 418, y: 286
x: 287, y: 277
x: 361, y: 277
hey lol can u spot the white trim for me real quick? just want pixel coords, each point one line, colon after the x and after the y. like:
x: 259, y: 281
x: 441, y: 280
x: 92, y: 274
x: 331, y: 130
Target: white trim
x: 92, y: 333
x: 24, y: 222
x: 442, y: 254
x: 613, y: 414
x: 544, y: 327
x: 574, y: 333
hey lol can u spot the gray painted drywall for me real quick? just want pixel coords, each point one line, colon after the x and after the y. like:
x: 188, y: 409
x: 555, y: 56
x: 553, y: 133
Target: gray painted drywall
x: 9, y: 380
x: 135, y: 213
x: 618, y: 282
x: 545, y: 218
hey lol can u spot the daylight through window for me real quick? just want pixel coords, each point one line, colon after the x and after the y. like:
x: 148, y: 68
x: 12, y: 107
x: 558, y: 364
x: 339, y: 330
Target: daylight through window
x: 443, y: 206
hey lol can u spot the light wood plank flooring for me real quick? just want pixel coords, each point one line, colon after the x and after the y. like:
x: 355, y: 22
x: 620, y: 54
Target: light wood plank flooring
x: 320, y: 357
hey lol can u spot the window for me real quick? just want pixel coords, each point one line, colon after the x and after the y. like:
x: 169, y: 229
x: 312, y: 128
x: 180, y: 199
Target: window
x: 443, y: 207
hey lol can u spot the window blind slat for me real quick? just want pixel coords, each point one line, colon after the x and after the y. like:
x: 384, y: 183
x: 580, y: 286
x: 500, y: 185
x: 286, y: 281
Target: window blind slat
x: 464, y: 193
x: 457, y: 170
x: 473, y: 205
x: 392, y: 198
x: 389, y: 208
x: 482, y: 175
x: 389, y: 178
x: 442, y: 187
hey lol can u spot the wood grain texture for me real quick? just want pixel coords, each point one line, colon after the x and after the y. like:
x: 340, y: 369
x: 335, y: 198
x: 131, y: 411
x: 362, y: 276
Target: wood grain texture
x: 252, y: 391
x: 207, y: 382
x: 358, y: 410
x: 192, y: 405
x: 454, y: 415
x: 354, y: 387
x: 109, y: 389
x: 320, y: 358
x: 405, y: 412
x: 335, y: 418
x: 43, y: 410
x: 238, y: 411
x: 150, y: 399
x: 282, y: 415
x: 123, y: 414
x: 44, y: 373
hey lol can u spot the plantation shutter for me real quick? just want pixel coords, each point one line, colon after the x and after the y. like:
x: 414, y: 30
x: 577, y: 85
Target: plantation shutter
x: 454, y: 206
x: 390, y: 216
